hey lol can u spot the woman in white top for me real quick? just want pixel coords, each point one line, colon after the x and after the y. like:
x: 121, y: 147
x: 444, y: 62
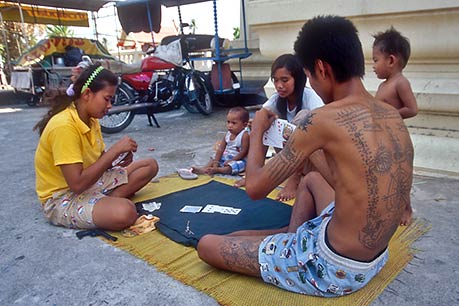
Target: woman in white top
x: 292, y: 101
x: 291, y: 94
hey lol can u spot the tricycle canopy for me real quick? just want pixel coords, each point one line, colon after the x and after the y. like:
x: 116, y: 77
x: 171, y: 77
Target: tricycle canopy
x: 145, y: 15
x: 45, y: 49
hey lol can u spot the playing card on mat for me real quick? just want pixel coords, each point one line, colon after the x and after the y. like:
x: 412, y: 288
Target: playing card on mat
x: 209, y: 208
x: 191, y: 209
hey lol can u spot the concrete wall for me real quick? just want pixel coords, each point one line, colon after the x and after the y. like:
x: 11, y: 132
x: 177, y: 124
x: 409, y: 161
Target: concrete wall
x: 433, y: 69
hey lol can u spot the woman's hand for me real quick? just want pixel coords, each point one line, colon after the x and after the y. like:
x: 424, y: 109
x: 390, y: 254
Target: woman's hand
x: 125, y: 144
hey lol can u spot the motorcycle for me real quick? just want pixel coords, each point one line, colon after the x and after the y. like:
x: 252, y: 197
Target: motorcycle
x: 159, y: 86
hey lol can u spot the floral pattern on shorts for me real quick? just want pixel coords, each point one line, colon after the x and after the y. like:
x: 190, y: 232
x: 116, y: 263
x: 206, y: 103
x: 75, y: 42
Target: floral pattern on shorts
x: 68, y: 209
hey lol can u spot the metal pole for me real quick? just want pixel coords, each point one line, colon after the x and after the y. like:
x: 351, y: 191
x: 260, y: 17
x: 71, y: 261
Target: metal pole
x: 180, y: 19
x: 95, y: 25
x: 150, y: 24
x: 22, y: 24
x: 115, y: 13
x: 217, y: 48
x: 244, y: 25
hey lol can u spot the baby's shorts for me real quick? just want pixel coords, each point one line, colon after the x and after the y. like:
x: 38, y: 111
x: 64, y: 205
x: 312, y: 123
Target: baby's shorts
x: 302, y: 262
x: 68, y: 209
x: 237, y: 166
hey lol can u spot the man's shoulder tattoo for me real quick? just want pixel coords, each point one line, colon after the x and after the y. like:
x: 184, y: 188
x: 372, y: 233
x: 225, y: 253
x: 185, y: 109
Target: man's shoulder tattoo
x: 306, y: 122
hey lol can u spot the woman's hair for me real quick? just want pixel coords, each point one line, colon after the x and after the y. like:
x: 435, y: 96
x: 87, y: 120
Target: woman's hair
x: 93, y: 77
x: 333, y: 40
x: 293, y: 65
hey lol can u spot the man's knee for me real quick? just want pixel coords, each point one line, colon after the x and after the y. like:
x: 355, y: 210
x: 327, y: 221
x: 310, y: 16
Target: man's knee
x: 308, y: 179
x: 204, y: 247
x: 311, y: 177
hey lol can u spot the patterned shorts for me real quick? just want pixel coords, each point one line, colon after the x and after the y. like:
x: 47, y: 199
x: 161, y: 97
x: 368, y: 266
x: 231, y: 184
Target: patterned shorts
x: 237, y: 166
x: 68, y: 209
x: 302, y: 262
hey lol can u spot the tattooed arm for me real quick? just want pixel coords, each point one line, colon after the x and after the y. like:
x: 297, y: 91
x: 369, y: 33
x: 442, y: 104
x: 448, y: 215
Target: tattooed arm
x: 262, y: 179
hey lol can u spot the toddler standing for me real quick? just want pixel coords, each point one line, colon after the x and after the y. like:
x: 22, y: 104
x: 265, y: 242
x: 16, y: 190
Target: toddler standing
x: 391, y: 52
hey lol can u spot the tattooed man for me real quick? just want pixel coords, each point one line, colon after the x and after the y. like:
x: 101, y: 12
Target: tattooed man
x: 343, y: 219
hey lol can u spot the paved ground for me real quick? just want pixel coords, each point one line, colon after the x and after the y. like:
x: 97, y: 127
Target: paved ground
x: 44, y: 265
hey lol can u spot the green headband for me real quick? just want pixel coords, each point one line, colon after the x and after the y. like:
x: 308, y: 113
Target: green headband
x: 91, y: 78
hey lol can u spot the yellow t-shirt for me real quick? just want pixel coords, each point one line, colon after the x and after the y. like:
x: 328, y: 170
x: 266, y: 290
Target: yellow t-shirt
x: 65, y: 140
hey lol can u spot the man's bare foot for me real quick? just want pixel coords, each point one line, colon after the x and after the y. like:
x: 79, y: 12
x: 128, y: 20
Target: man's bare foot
x: 289, y: 191
x: 407, y: 216
x: 240, y: 183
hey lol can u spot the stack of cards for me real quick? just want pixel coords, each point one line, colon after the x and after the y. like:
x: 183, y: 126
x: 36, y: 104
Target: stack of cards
x: 119, y: 159
x: 278, y: 134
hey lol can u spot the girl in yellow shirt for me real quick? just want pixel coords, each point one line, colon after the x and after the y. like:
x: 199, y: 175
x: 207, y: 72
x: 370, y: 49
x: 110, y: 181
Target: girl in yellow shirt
x: 76, y: 179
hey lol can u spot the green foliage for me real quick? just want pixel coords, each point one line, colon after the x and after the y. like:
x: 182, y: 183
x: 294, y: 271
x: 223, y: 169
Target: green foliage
x: 236, y: 33
x: 59, y: 30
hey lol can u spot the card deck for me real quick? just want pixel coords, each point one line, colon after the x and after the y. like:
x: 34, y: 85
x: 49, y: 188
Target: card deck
x: 119, y: 158
x: 278, y: 134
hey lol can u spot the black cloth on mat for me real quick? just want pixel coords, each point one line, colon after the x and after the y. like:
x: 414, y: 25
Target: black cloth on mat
x: 255, y: 215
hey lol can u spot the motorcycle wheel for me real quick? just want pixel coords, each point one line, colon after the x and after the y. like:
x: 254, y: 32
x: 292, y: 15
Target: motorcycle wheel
x: 201, y: 92
x: 189, y: 106
x: 34, y: 100
x: 117, y: 122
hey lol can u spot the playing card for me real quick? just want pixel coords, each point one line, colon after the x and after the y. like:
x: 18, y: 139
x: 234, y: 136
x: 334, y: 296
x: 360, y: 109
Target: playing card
x: 209, y: 208
x: 278, y: 133
x: 229, y: 210
x: 119, y: 158
x: 191, y: 209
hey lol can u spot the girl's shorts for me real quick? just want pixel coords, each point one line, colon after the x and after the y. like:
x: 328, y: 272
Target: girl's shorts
x: 302, y: 262
x: 68, y: 209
